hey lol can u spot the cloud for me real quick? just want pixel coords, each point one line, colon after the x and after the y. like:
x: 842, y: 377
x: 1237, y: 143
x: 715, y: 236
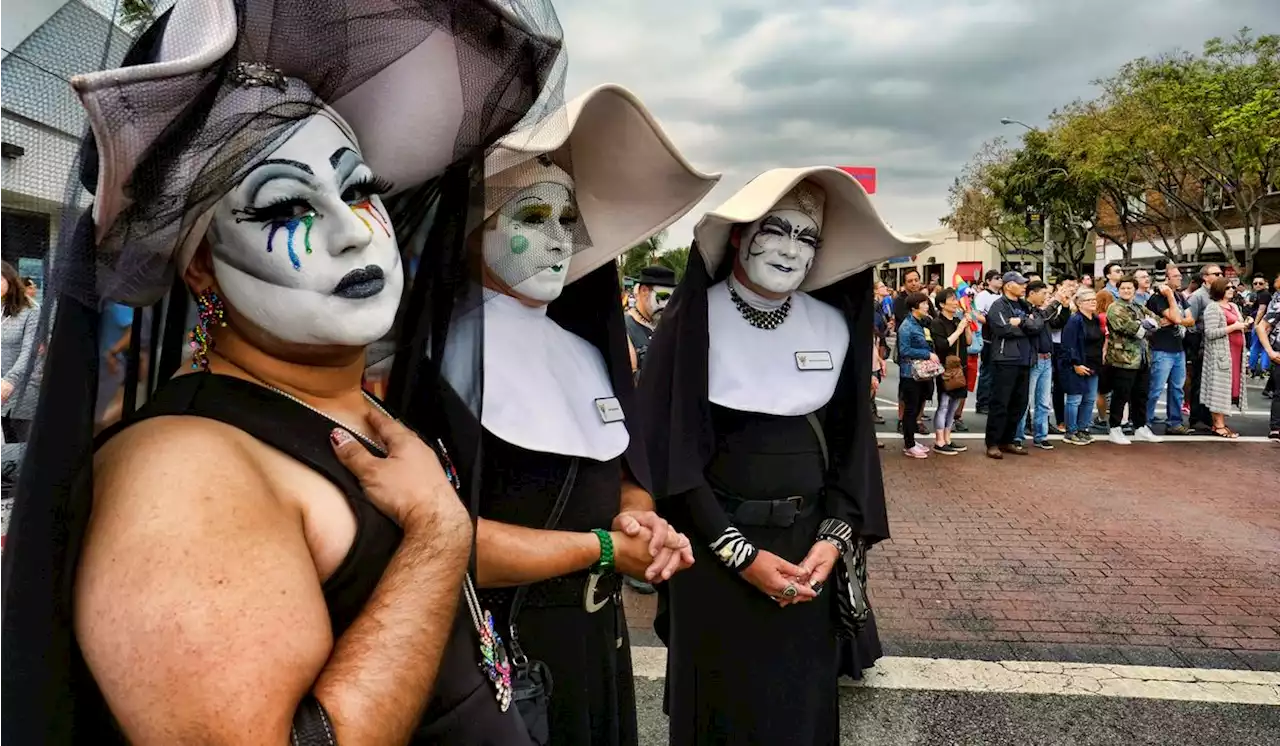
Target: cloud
x: 911, y: 87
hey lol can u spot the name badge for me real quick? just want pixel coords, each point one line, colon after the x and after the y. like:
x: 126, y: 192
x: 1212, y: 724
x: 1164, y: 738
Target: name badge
x: 610, y: 410
x: 818, y: 360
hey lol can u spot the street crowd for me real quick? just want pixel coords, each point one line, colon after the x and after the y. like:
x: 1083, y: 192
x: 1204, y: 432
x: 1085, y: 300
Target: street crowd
x: 1041, y: 357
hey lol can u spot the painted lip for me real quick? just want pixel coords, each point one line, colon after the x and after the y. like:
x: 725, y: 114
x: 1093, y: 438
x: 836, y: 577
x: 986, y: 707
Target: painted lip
x: 361, y: 283
x: 782, y: 267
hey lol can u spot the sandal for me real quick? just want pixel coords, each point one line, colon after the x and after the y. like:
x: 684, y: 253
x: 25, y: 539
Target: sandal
x: 1225, y: 432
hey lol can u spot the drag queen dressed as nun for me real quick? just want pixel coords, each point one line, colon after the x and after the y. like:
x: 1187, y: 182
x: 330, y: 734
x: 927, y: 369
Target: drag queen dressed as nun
x: 234, y: 561
x: 561, y: 513
x: 761, y: 448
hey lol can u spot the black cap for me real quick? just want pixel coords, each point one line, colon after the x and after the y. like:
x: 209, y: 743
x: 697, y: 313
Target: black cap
x: 657, y: 275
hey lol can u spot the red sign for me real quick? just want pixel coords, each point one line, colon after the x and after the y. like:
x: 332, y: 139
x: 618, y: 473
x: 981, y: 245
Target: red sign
x: 866, y: 176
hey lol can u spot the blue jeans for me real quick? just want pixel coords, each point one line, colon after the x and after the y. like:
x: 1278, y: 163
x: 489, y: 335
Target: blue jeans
x: 1257, y: 356
x: 1080, y: 406
x: 1168, y: 371
x: 1039, y: 400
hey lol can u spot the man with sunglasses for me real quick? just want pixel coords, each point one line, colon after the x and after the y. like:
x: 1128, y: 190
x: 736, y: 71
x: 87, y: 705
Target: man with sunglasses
x: 1194, y: 343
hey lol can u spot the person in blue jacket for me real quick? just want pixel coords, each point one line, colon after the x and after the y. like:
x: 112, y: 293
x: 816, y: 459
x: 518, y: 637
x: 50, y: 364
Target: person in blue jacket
x: 915, y: 344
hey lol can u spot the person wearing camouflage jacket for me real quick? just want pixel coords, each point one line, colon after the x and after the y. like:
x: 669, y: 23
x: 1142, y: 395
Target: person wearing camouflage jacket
x: 1127, y: 362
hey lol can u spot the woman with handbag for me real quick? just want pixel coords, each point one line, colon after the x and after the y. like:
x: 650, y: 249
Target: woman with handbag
x: 952, y: 335
x: 918, y: 365
x: 561, y: 514
x: 20, y: 370
x: 759, y: 435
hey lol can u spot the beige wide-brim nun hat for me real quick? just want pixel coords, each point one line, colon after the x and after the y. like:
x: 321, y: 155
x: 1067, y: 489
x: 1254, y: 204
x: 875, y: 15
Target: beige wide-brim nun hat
x: 421, y: 84
x: 630, y: 181
x: 854, y: 236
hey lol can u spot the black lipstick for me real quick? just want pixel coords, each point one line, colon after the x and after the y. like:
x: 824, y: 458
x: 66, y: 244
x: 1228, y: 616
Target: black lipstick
x: 361, y: 283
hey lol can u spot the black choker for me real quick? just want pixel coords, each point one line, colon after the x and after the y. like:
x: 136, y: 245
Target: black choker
x: 757, y: 318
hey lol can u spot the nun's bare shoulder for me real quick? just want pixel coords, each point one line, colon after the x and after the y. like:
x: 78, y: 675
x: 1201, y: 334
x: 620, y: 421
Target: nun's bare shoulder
x: 193, y: 579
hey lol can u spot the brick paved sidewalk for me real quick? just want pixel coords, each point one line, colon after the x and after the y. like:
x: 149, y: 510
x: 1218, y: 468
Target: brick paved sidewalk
x: 1143, y: 554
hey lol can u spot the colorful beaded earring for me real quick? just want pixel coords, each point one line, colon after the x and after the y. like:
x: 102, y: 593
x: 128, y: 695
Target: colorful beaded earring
x: 212, y: 313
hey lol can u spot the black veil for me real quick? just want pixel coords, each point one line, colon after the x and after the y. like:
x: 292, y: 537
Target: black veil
x: 167, y: 141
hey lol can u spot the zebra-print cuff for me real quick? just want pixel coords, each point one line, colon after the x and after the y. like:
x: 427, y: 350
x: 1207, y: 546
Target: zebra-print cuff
x: 837, y: 532
x: 734, y: 550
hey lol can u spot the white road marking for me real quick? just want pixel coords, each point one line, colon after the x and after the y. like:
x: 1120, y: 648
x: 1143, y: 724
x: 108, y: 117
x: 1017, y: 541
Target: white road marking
x: 1040, y: 677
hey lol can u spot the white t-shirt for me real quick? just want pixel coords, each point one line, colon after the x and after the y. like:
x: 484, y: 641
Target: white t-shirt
x: 982, y: 304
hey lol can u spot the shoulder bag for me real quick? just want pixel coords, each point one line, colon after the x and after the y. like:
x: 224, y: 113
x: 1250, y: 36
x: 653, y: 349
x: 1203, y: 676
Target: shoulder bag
x: 852, y: 607
x: 531, y: 681
x: 953, y: 372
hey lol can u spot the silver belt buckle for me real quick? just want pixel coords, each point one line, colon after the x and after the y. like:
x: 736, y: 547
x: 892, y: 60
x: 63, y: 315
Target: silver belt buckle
x: 589, y: 602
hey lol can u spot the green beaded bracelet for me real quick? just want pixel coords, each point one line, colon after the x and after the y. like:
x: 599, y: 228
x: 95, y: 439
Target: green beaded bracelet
x: 605, y: 563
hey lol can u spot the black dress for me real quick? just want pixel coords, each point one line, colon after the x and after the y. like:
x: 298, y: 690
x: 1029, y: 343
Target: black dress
x: 462, y: 709
x: 588, y: 654
x: 740, y: 669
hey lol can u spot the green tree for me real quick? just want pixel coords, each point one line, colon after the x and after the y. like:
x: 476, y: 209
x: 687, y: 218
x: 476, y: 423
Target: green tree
x: 641, y: 255
x: 1191, y: 142
x: 976, y: 201
x: 676, y: 259
x: 135, y: 15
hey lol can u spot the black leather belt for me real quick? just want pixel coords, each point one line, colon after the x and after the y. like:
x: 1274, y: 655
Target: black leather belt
x: 578, y: 590
x: 773, y: 513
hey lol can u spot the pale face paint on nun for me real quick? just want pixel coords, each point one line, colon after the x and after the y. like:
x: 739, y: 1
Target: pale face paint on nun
x: 530, y: 244
x: 777, y: 250
x: 302, y: 246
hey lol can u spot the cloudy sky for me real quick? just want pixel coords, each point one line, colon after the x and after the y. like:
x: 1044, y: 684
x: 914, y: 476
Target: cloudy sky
x: 911, y: 87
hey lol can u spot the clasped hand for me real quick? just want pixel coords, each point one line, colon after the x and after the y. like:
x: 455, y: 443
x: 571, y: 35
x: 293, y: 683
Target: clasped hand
x: 773, y: 575
x: 649, y: 547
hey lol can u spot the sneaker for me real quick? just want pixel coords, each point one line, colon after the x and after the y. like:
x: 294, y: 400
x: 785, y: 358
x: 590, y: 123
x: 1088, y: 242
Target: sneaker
x: 945, y: 450
x: 958, y: 448
x: 1127, y: 427
x: 916, y: 451
x: 877, y: 419
x: 1177, y: 430
x: 1274, y: 435
x: 1075, y: 439
x: 1100, y: 428
x: 1060, y: 428
x: 1118, y: 437
x: 959, y: 427
x: 1088, y: 437
x: 1016, y: 449
x: 1044, y: 445
x: 1145, y: 435
x: 923, y: 429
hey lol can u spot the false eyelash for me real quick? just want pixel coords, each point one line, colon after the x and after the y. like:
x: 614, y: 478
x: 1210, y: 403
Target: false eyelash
x: 272, y: 212
x: 372, y: 185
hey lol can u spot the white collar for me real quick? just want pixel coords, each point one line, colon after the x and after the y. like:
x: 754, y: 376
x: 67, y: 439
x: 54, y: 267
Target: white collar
x: 541, y: 382
x: 756, y: 370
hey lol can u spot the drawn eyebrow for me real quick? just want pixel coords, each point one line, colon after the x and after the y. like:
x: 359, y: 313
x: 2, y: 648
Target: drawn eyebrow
x: 258, y: 182
x: 530, y: 197
x: 777, y: 222
x: 810, y: 232
x: 344, y: 161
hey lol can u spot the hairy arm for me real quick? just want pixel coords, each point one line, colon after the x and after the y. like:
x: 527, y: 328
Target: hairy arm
x: 201, y: 616
x: 508, y: 555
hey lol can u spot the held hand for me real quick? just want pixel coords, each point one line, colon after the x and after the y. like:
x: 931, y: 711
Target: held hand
x: 670, y: 549
x: 6, y: 390
x: 820, y: 561
x: 934, y: 357
x: 772, y: 574
x: 1015, y: 321
x: 1082, y: 370
x: 631, y: 553
x: 409, y: 485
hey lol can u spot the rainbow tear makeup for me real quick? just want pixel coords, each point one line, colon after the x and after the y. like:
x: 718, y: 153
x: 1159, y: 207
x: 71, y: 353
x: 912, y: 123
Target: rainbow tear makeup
x: 366, y: 205
x: 291, y: 225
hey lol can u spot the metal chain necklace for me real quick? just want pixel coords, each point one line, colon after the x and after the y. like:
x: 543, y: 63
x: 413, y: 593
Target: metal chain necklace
x: 757, y: 318
x: 493, y: 654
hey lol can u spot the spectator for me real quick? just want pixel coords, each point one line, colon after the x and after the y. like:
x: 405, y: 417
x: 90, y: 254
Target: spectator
x: 1236, y: 314
x: 1057, y: 314
x: 1101, y: 402
x: 1168, y: 356
x: 1086, y: 281
x: 1215, y: 385
x: 914, y: 346
x: 1040, y: 380
x: 952, y: 335
x: 1143, y: 294
x: 1127, y: 361
x: 1013, y: 326
x: 1082, y: 343
x: 1113, y: 271
x: 1259, y: 363
x: 901, y: 311
x: 18, y: 350
x: 1194, y: 343
x: 1269, y: 334
x: 981, y: 305
x: 653, y: 290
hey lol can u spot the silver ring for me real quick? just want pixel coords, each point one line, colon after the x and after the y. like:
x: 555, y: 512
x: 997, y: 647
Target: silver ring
x: 790, y: 591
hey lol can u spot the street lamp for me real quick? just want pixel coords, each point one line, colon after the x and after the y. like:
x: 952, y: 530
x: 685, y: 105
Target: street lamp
x: 1045, y: 258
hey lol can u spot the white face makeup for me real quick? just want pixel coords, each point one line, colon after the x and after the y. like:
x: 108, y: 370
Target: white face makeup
x: 303, y: 247
x: 777, y: 250
x: 530, y: 244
